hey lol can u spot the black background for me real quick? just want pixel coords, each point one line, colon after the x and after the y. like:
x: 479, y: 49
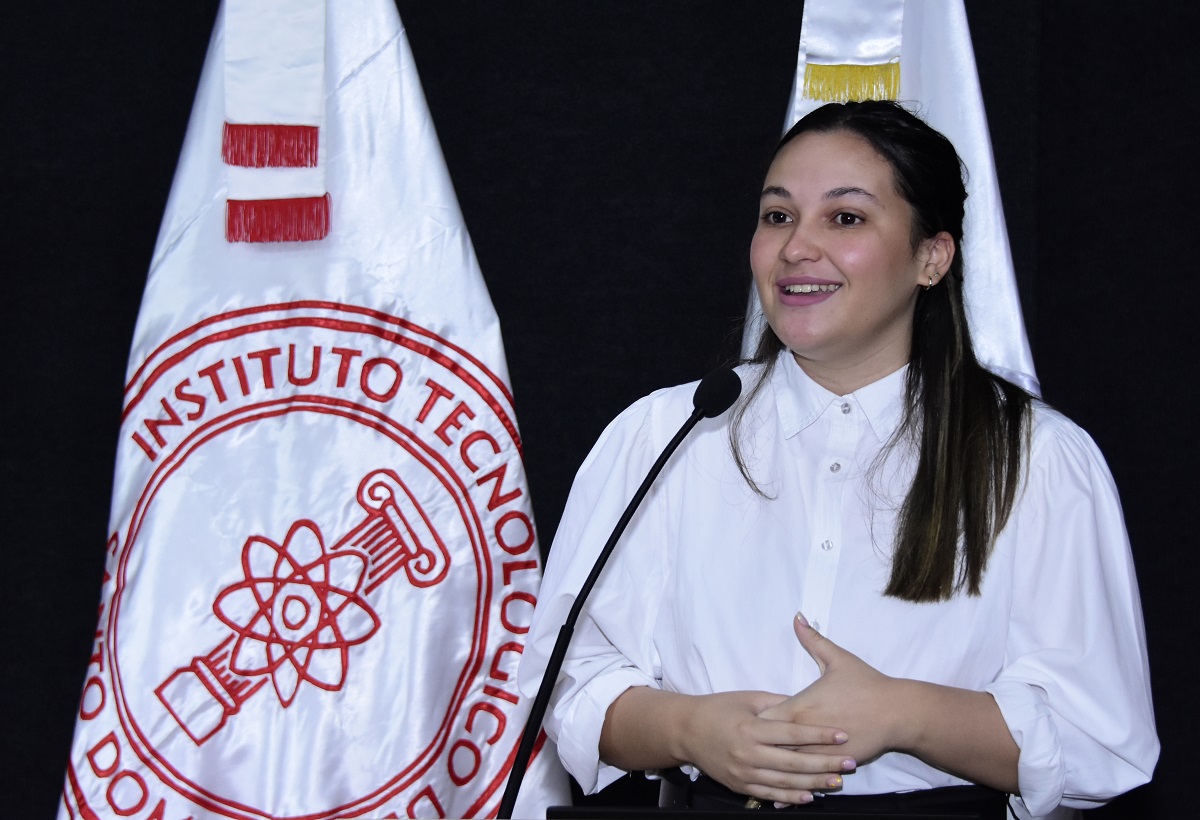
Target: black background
x: 607, y: 157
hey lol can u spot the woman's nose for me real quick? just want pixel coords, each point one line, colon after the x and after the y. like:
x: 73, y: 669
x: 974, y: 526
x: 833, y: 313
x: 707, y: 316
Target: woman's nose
x: 800, y: 245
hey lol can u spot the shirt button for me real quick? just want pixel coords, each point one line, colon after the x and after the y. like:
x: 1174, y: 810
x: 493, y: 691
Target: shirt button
x: 834, y: 467
x: 827, y: 545
x: 845, y: 407
x: 816, y: 625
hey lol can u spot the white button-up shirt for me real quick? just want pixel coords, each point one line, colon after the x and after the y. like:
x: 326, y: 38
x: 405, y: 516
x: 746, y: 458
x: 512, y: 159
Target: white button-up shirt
x: 700, y: 593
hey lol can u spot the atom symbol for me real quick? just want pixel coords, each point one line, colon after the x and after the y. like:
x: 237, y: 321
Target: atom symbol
x: 297, y: 612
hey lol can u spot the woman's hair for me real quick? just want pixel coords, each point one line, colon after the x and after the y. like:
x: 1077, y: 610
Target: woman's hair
x: 969, y: 427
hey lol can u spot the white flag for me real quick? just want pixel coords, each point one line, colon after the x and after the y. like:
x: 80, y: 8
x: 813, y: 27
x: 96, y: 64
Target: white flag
x: 322, y: 562
x: 854, y: 41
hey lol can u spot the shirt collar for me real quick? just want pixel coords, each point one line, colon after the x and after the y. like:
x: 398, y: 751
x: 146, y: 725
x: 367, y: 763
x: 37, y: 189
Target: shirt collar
x: 801, y: 401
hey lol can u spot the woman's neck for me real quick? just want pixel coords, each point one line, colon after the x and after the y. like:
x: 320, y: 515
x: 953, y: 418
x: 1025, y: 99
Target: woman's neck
x: 842, y: 377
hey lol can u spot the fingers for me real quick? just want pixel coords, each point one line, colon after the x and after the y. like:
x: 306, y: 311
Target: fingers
x: 795, y: 779
x: 807, y: 769
x: 784, y: 775
x: 787, y: 733
x: 730, y: 737
x: 819, y: 648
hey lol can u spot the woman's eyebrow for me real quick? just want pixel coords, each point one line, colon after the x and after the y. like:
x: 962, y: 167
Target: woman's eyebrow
x: 834, y: 193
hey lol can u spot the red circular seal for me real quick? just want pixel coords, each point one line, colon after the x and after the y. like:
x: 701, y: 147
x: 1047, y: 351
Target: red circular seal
x: 323, y: 573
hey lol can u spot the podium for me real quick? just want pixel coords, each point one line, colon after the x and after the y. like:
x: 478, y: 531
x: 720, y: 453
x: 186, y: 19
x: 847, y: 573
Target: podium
x: 653, y: 813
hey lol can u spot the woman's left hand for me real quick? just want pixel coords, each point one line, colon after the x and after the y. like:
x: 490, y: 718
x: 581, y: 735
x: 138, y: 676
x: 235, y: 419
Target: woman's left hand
x: 960, y: 731
x: 850, y: 694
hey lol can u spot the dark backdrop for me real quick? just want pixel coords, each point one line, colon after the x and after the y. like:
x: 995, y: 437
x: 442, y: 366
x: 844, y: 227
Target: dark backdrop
x: 607, y: 157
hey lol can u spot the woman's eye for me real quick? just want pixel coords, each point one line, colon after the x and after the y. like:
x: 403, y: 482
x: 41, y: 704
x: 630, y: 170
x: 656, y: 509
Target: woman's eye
x: 847, y: 219
x: 776, y: 218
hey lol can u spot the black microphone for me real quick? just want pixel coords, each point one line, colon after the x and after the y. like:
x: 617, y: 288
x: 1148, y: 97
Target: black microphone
x: 714, y: 395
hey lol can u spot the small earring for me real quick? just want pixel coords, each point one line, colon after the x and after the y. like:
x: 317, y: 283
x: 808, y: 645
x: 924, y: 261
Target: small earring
x: 930, y: 285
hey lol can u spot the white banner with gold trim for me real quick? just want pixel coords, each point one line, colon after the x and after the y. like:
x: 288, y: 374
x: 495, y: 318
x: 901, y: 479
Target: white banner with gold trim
x: 920, y: 54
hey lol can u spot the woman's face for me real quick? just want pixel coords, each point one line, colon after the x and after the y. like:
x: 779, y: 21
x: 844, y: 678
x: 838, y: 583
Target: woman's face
x: 833, y: 259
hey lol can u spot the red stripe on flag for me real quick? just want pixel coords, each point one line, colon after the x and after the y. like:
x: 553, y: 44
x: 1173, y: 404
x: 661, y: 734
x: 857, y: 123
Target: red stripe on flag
x: 304, y: 219
x: 270, y: 146
x: 85, y: 811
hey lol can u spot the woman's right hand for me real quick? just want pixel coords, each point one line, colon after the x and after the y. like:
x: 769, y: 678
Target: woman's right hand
x: 723, y: 735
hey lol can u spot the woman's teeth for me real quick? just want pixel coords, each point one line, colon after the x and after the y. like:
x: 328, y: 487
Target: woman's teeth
x: 810, y: 288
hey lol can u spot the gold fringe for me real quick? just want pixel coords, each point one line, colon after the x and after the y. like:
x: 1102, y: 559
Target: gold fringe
x: 842, y: 83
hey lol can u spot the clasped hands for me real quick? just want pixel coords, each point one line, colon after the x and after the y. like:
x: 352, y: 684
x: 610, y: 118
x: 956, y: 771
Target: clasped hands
x: 779, y: 748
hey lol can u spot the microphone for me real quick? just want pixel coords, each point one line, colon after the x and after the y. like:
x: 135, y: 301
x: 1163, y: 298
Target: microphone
x: 714, y: 395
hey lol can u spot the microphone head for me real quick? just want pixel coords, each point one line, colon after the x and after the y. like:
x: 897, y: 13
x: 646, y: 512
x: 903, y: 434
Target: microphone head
x: 717, y: 392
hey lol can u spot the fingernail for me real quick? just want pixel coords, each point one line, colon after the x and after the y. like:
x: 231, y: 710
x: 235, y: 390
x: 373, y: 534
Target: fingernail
x: 800, y: 617
x: 835, y: 782
x: 782, y: 805
x: 849, y: 764
x: 840, y: 737
x: 806, y: 797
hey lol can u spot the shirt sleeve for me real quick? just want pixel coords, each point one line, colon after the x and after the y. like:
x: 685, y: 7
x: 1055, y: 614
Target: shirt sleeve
x: 1075, y: 689
x: 611, y: 649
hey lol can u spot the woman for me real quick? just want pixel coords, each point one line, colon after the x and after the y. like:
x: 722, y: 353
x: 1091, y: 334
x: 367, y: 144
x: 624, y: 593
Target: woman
x: 969, y: 608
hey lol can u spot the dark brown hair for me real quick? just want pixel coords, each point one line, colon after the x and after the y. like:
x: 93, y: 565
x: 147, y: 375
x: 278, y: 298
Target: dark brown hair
x: 969, y: 427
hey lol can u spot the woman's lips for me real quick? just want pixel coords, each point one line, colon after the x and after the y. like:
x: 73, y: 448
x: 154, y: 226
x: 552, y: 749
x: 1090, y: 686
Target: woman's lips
x: 801, y: 292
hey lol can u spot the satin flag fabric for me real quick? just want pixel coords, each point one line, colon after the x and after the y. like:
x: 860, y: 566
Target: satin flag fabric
x: 939, y: 82
x: 322, y: 563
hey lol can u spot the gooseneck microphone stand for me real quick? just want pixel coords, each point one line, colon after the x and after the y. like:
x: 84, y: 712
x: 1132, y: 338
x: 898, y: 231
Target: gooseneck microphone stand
x: 714, y: 395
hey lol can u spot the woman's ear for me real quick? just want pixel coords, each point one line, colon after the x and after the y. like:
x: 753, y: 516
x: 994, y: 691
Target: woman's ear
x: 938, y: 252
